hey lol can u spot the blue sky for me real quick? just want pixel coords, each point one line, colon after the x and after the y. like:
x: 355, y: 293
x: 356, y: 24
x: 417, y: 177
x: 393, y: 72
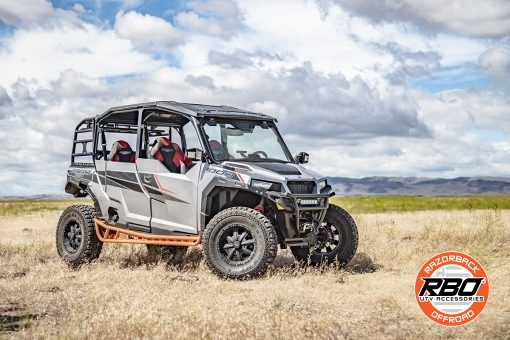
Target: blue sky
x: 453, y: 77
x: 367, y: 87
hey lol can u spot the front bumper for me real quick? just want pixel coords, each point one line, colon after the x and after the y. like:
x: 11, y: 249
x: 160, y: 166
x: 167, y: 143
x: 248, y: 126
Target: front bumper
x: 299, y: 216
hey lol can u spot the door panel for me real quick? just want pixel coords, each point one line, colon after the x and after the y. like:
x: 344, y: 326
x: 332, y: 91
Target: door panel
x: 127, y: 196
x: 173, y: 197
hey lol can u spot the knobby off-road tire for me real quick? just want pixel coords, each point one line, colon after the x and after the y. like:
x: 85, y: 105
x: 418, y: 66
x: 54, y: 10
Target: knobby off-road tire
x: 239, y: 242
x: 338, y: 240
x: 76, y: 238
x: 171, y: 255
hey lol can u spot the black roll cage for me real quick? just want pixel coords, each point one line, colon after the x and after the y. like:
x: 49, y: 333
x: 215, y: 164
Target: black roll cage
x: 141, y: 119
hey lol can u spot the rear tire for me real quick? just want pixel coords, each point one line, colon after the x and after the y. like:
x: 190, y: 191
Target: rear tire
x: 239, y: 242
x: 338, y: 240
x: 171, y: 255
x: 76, y: 238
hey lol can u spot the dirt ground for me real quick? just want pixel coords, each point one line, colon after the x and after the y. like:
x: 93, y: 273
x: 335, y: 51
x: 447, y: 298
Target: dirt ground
x: 125, y: 295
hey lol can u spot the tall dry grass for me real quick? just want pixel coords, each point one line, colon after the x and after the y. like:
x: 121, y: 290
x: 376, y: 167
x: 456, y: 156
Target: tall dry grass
x: 126, y: 295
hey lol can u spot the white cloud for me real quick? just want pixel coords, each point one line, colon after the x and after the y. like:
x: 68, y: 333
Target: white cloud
x: 24, y: 13
x: 42, y: 54
x: 495, y: 62
x: 270, y: 108
x: 341, y: 108
x: 79, y: 8
x: 338, y: 41
x: 463, y: 110
x: 220, y: 18
x: 147, y: 31
x: 192, y: 21
x: 448, y: 156
x: 237, y: 59
x: 490, y: 18
x: 303, y: 34
x: 71, y: 83
x: 200, y: 81
x: 5, y: 103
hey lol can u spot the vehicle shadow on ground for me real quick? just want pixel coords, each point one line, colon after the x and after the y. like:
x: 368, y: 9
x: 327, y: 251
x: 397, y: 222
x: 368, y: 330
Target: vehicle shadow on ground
x: 142, y: 258
x: 361, y: 263
x: 284, y: 263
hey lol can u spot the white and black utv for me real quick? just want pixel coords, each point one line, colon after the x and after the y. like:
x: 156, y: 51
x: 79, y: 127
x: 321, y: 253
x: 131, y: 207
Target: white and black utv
x: 173, y: 175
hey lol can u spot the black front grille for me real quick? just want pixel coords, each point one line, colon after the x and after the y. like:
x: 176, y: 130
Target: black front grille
x: 301, y: 187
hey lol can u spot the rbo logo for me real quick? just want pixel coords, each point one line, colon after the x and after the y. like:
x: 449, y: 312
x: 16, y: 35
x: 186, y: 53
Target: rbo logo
x: 452, y: 288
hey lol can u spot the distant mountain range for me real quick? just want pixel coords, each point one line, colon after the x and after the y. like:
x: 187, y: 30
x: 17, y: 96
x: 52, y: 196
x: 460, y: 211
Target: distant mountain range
x: 460, y: 186
x: 370, y: 186
x: 37, y: 197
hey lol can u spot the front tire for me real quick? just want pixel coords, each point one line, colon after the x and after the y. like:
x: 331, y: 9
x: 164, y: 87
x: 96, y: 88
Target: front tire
x: 76, y: 238
x: 337, y: 240
x: 239, y: 242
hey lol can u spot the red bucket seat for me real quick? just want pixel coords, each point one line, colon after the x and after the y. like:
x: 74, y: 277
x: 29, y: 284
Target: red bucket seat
x: 170, y: 154
x: 121, y: 152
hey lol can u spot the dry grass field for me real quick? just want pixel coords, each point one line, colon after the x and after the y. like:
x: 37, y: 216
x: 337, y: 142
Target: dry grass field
x: 125, y: 295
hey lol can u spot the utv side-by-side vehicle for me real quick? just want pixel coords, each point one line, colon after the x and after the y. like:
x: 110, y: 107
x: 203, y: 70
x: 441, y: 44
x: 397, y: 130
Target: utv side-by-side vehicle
x: 172, y: 175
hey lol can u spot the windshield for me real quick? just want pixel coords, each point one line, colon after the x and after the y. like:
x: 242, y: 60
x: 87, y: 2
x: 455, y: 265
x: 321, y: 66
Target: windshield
x: 246, y: 141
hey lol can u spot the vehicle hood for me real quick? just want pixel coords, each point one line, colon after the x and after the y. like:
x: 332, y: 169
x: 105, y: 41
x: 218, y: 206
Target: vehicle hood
x: 275, y: 171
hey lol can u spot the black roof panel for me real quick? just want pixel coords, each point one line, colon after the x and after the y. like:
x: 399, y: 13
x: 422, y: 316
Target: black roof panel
x: 195, y: 110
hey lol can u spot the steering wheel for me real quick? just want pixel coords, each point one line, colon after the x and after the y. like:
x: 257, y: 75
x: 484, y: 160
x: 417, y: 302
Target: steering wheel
x: 258, y: 153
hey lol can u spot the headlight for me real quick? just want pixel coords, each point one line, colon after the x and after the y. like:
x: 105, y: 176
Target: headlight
x: 324, y: 187
x: 263, y: 185
x: 322, y: 184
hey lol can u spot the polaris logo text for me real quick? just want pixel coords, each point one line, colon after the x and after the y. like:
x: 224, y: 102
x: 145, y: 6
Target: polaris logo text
x: 452, y: 288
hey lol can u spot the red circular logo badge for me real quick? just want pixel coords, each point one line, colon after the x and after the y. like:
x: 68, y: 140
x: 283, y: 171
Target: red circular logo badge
x: 452, y: 288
